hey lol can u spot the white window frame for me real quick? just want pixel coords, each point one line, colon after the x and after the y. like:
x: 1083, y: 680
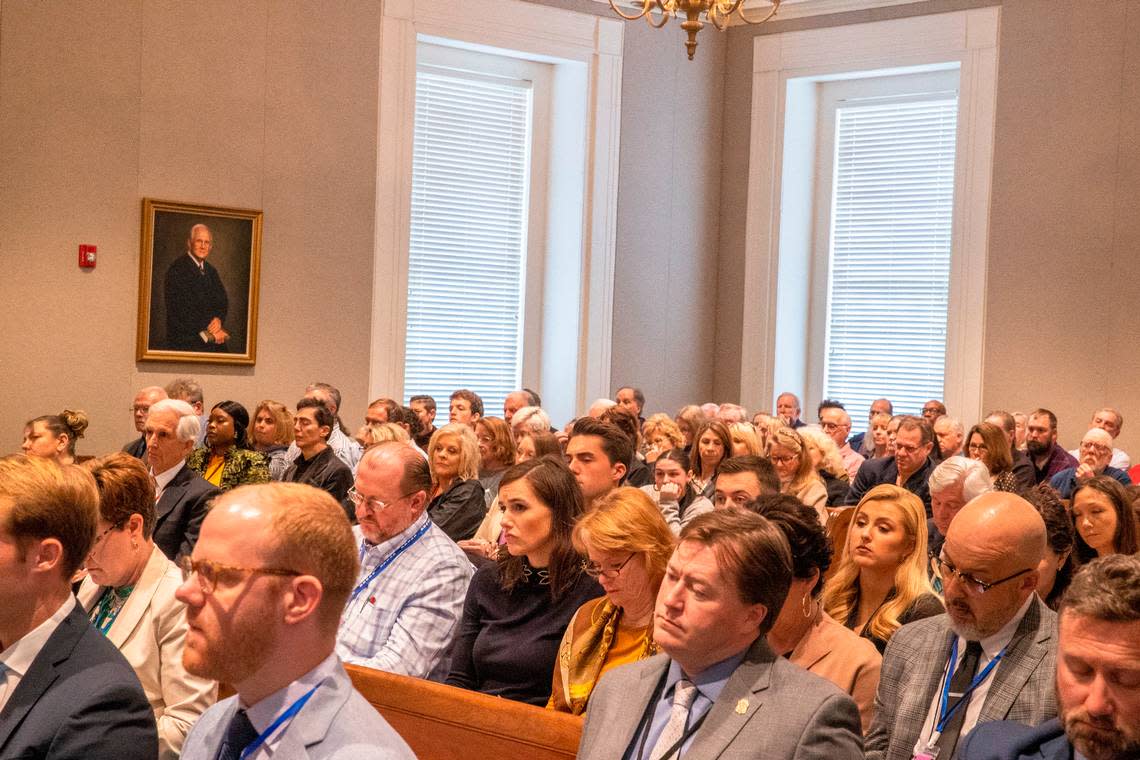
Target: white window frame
x: 779, y: 250
x: 585, y: 51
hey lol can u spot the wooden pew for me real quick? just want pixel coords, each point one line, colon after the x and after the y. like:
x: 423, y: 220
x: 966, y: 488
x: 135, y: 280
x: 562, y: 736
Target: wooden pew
x: 444, y: 723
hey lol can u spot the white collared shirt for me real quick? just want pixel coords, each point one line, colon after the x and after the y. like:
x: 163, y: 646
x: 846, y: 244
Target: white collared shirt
x: 162, y: 479
x: 991, y: 647
x: 17, y: 659
x: 266, y: 711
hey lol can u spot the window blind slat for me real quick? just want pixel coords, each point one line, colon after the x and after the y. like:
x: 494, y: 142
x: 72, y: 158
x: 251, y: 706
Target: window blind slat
x: 468, y: 236
x: 889, y: 276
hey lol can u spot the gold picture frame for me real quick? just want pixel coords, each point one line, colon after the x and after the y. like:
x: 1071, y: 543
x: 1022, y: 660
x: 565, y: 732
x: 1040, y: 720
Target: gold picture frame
x: 198, y: 306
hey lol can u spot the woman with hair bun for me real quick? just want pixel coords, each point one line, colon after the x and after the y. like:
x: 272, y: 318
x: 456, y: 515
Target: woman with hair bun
x: 53, y: 436
x: 224, y: 460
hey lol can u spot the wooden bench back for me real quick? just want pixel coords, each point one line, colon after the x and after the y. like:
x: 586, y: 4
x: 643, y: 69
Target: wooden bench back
x: 445, y: 723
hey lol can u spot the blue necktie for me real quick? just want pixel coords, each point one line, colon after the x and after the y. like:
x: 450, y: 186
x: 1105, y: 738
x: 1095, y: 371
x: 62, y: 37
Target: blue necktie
x: 239, y: 735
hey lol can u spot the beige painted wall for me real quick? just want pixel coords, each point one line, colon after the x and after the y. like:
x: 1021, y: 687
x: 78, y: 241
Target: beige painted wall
x: 1065, y: 219
x: 272, y: 105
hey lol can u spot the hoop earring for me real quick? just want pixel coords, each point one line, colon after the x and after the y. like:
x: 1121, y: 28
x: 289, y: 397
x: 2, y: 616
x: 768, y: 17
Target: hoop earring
x: 807, y: 606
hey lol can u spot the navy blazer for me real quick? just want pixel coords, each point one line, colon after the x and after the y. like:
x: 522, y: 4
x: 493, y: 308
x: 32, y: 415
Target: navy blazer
x: 79, y: 699
x: 180, y: 512
x: 1006, y: 740
x: 137, y: 448
x: 875, y: 472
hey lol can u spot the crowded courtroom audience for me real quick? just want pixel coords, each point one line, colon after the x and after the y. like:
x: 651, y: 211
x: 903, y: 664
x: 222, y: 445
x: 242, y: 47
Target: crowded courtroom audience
x: 264, y: 590
x: 629, y: 583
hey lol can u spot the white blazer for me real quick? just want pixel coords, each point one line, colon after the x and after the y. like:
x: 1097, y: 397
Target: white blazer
x: 150, y: 631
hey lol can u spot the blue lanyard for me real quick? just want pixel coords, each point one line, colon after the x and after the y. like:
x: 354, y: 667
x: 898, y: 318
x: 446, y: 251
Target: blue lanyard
x: 942, y: 704
x: 293, y: 710
x: 387, y: 560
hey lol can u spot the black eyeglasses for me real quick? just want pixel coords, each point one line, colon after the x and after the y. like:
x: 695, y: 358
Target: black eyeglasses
x: 208, y: 572
x: 969, y: 582
x: 593, y: 569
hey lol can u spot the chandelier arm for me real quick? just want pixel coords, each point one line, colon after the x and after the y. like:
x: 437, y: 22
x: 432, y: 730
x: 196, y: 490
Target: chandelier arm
x: 646, y: 6
x: 740, y: 12
x: 649, y: 16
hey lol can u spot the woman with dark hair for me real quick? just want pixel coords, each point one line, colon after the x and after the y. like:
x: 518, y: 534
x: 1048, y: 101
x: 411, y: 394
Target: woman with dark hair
x: 225, y: 460
x: 1058, y: 564
x: 1103, y: 518
x: 672, y: 492
x: 803, y: 632
x: 271, y: 434
x: 53, y: 436
x: 496, y: 453
x: 987, y: 443
x: 517, y: 609
x: 129, y: 596
x: 711, y: 445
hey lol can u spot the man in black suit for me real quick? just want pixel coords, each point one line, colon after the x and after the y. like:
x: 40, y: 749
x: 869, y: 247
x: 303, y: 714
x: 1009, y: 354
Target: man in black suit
x: 65, y: 690
x: 183, y: 495
x: 1098, y: 675
x: 910, y: 467
x: 196, y: 302
x: 144, y: 400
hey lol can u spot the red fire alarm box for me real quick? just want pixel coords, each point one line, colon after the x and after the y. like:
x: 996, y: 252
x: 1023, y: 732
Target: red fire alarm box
x: 87, y: 256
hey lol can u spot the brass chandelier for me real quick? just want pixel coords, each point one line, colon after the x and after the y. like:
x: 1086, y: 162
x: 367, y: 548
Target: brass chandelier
x: 715, y: 12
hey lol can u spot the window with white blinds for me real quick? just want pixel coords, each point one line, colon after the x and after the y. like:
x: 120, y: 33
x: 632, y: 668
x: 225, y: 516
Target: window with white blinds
x: 889, y: 272
x: 467, y: 258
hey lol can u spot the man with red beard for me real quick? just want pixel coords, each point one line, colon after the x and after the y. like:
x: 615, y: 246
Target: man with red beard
x: 264, y: 590
x: 1098, y: 675
x: 990, y: 657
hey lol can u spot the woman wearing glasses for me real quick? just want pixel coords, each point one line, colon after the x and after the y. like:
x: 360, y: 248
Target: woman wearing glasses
x: 798, y: 475
x: 987, y: 443
x: 627, y: 544
x: 881, y: 583
x: 517, y: 608
x: 1103, y: 518
x: 129, y: 594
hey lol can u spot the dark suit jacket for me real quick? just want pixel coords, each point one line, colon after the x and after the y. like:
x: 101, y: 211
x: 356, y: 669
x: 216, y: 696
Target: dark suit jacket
x: 875, y: 472
x: 180, y: 512
x: 193, y: 298
x: 79, y: 699
x: 137, y: 448
x: 1005, y: 740
x: 1022, y: 687
x: 769, y: 708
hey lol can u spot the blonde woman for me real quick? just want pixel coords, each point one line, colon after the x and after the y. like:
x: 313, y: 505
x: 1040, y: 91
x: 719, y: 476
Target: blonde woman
x: 745, y: 442
x: 798, y: 476
x: 271, y: 433
x: 878, y: 442
x: 380, y: 432
x: 662, y: 434
x: 827, y: 462
x: 627, y: 545
x: 457, y: 503
x: 766, y: 426
x: 689, y: 420
x: 881, y: 582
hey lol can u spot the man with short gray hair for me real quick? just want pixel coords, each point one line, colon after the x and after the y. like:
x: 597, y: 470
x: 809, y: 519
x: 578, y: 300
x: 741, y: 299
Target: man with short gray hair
x: 953, y: 483
x: 836, y: 422
x: 1111, y: 421
x: 182, y: 496
x: 950, y: 433
x: 1096, y: 452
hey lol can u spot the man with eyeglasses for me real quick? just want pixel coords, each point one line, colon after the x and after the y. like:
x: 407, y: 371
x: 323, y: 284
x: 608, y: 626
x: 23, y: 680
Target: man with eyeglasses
x: 263, y: 591
x: 1095, y: 455
x: 990, y: 657
x: 836, y: 422
x: 1110, y: 421
x: 909, y: 467
x: 408, y: 597
x: 144, y: 400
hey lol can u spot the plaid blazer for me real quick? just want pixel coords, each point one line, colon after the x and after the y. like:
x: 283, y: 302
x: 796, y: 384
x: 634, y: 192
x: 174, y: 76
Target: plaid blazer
x: 1022, y: 690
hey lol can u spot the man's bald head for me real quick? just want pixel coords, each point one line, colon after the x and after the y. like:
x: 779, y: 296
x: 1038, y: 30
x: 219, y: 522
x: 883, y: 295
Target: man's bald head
x: 1003, y: 524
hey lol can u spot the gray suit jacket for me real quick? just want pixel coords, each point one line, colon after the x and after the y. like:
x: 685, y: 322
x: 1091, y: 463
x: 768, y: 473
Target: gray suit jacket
x: 1022, y: 689
x: 769, y: 709
x: 337, y: 723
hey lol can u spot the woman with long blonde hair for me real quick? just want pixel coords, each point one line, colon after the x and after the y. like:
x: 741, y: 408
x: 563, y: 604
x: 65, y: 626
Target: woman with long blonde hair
x: 798, y: 476
x: 881, y: 581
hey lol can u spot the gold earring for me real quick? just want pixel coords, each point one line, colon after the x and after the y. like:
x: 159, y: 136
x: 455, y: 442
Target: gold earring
x: 807, y: 606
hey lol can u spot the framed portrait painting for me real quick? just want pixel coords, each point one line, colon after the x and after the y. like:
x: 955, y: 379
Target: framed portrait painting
x: 198, y: 283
